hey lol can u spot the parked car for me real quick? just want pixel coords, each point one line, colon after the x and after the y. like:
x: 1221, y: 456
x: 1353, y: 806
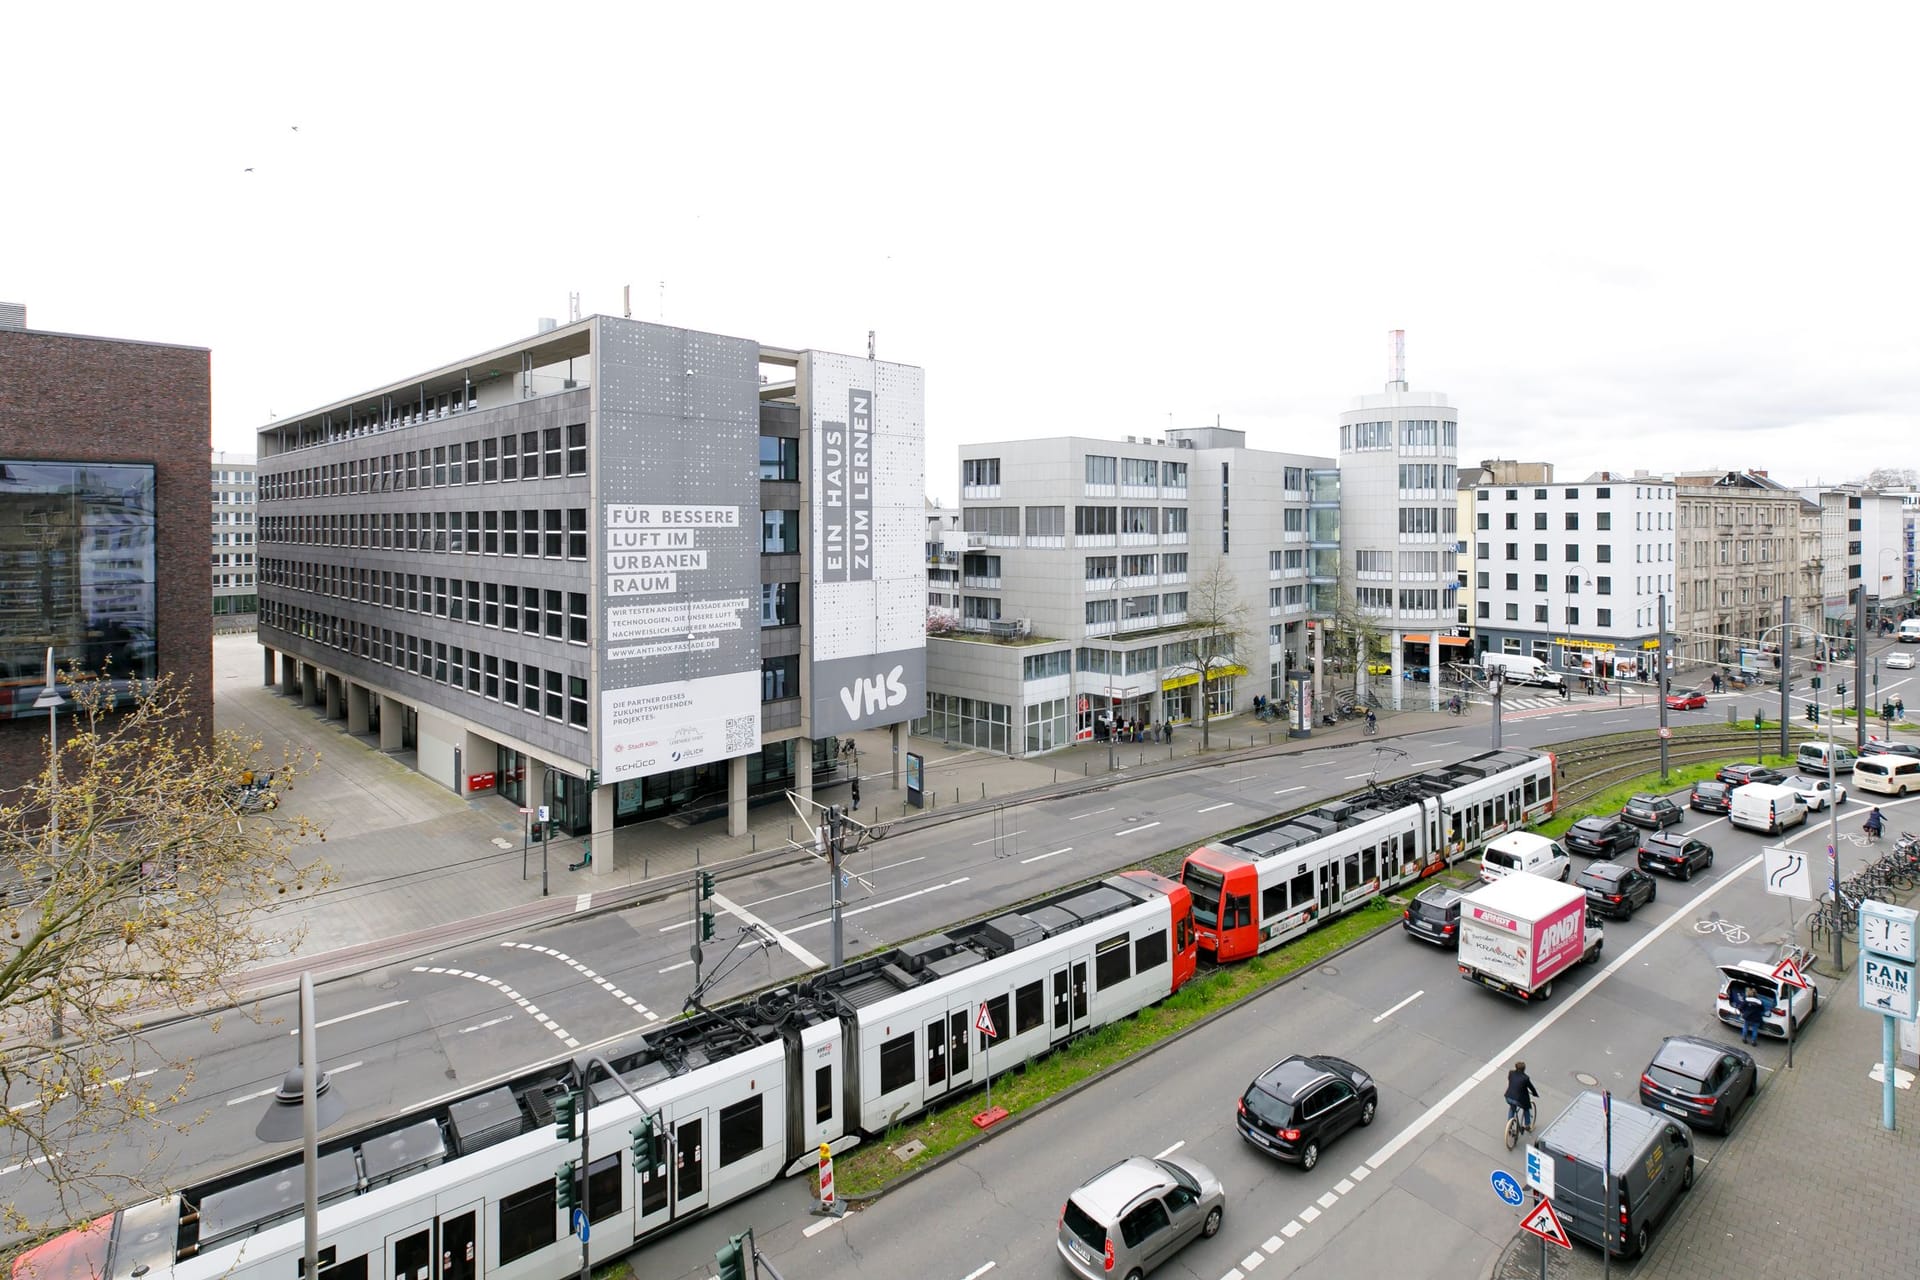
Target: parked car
x: 1702, y: 1081
x: 1434, y: 915
x: 1601, y: 837
x: 1657, y: 812
x: 1739, y: 775
x: 1818, y: 793
x: 1675, y: 854
x: 1754, y: 976
x: 1881, y: 747
x: 1687, y: 700
x: 1299, y: 1104
x: 1900, y: 660
x: 1131, y: 1217
x: 1711, y: 797
x: 1615, y: 889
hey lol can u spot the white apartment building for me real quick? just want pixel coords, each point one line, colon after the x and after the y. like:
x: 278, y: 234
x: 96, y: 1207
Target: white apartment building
x: 1842, y: 551
x: 234, y: 593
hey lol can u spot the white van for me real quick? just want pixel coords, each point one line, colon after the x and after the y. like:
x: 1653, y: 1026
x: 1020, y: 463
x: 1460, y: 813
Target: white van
x: 1889, y: 775
x: 1524, y: 851
x: 1909, y: 632
x: 1762, y: 806
x: 1813, y: 756
x: 1518, y: 668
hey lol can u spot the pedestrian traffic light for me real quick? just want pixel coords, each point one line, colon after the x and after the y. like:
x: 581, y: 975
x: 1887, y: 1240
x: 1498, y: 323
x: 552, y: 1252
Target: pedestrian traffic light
x: 563, y: 1192
x: 706, y: 926
x: 563, y: 1111
x: 706, y: 884
x: 643, y: 1145
x: 731, y: 1261
x: 1840, y: 691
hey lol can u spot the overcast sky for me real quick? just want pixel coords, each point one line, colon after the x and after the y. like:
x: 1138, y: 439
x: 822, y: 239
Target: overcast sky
x: 1661, y: 236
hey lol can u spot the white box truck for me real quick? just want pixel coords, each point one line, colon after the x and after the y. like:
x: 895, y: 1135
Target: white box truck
x: 1518, y: 668
x: 1521, y: 932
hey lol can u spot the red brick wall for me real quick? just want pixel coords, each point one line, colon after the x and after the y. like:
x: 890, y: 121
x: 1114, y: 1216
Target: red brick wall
x: 99, y: 400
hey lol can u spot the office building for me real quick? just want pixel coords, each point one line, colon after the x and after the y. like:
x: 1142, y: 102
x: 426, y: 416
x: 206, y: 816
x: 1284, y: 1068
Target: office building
x: 233, y: 530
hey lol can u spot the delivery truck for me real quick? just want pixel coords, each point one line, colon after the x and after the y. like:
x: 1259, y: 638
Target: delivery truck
x: 1522, y: 931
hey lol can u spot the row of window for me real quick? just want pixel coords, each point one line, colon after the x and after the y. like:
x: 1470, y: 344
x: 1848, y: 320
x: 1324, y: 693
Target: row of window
x: 524, y: 455
x: 1103, y: 568
x: 1102, y: 469
x: 1381, y: 599
x: 555, y: 533
x: 1423, y: 434
x: 1601, y: 617
x: 1427, y: 475
x: 1601, y: 493
x: 1602, y: 586
x: 1602, y: 554
x: 1133, y: 608
x: 1602, y: 520
x: 1429, y: 519
x: 502, y: 606
x: 1005, y: 522
x: 1374, y: 563
x: 1174, y: 653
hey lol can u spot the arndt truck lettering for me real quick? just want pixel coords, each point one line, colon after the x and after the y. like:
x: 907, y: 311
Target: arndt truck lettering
x: 1559, y: 940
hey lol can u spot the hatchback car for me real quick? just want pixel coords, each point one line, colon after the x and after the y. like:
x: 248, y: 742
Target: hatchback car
x: 1434, y: 916
x: 1601, y: 837
x: 1876, y: 747
x: 1900, y: 660
x: 1816, y: 793
x: 1739, y: 775
x: 1703, y: 1082
x: 1674, y: 854
x: 1687, y: 700
x: 1752, y: 976
x: 1711, y: 797
x: 1299, y: 1104
x: 1131, y: 1217
x: 1657, y: 812
x: 1616, y: 889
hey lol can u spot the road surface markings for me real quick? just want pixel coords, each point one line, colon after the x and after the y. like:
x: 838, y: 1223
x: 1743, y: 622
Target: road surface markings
x: 787, y: 944
x: 1253, y: 1260
x: 1446, y: 742
x: 997, y: 839
x: 1421, y: 764
x: 1210, y: 808
x: 586, y: 973
x: 269, y: 1092
x: 1170, y: 1150
x: 1308, y: 1214
x: 1403, y: 1004
x: 811, y: 889
x: 1342, y: 1187
x: 1288, y: 790
x: 1091, y: 813
x: 1042, y: 857
x: 1360, y: 1173
x: 1350, y: 777
x: 348, y: 1017
x: 684, y: 964
x: 581, y: 901
x: 1329, y: 1200
x: 1249, y: 778
x: 977, y: 1272
x: 1145, y: 826
x: 103, y: 1084
x: 874, y: 906
x: 28, y: 1164
x: 1291, y: 1230
x: 820, y: 1226
x: 531, y: 1009
x: 490, y: 1022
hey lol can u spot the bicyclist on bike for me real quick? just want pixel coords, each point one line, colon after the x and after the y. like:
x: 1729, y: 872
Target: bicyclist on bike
x: 1874, y: 825
x: 1372, y: 721
x: 1520, y: 1096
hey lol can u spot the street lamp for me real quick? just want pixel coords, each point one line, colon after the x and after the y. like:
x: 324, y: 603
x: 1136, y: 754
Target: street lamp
x: 302, y: 1106
x: 50, y: 701
x: 1495, y: 678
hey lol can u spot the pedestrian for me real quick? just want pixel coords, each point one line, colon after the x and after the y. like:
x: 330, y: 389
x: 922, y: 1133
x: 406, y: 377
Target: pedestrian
x: 1899, y: 707
x: 1716, y: 682
x: 1566, y: 692
x: 856, y: 794
x: 1751, y: 1011
x: 1169, y: 731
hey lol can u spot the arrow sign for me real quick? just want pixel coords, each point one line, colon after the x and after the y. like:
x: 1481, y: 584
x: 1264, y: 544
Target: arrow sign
x: 1545, y: 1223
x: 1789, y: 874
x: 1789, y: 972
x: 983, y: 1023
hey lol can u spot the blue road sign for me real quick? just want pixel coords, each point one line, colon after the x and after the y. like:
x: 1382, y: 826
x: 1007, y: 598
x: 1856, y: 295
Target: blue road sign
x: 1507, y: 1187
x: 580, y: 1227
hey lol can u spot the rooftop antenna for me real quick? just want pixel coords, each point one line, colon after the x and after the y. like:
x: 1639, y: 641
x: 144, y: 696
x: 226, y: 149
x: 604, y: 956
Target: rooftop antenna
x: 1397, y: 360
x: 869, y: 345
x: 626, y: 300
x: 663, y: 302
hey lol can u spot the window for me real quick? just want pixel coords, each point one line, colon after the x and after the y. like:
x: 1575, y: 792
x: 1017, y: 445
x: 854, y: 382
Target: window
x: 1539, y: 519
x: 1095, y: 521
x: 1573, y: 553
x: 603, y: 1187
x: 1573, y: 520
x: 1029, y: 1006
x: 779, y: 678
x: 556, y: 697
x: 779, y: 533
x: 992, y: 522
x: 1513, y: 520
x: 1046, y: 522
x: 1539, y: 551
x: 823, y: 1094
x: 509, y: 457
x: 527, y: 1221
x: 1603, y: 617
x: 576, y: 617
x: 473, y: 462
x: 1044, y: 665
x: 509, y: 533
x: 779, y: 604
x: 510, y: 683
x: 1101, y: 470
x: 1540, y: 582
x: 576, y: 533
x: 980, y: 471
x: 742, y: 1130
x: 577, y: 701
x: 1111, y: 959
x: 1603, y: 586
x: 1149, y: 952
x: 551, y: 438
x: 1604, y: 554
x: 896, y: 1064
x: 556, y: 533
x: 530, y: 689
x: 779, y: 458
x: 1603, y: 520
x: 577, y: 449
x: 490, y: 460
x: 1480, y: 520
x: 529, y: 455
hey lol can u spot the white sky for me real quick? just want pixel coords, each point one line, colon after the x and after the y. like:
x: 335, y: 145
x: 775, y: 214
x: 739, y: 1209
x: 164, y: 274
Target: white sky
x: 1631, y: 236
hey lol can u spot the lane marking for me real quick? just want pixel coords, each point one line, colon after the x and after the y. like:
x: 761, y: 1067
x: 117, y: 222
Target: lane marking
x: 582, y: 901
x: 684, y: 964
x: 1230, y: 781
x: 1091, y: 813
x: 1360, y: 1174
x: 1353, y: 776
x: 1343, y: 1186
x: 1272, y: 1244
x: 1252, y: 1260
x: 1288, y: 790
x: 31, y: 1104
x: 1421, y: 764
x: 1170, y: 1150
x: 1328, y: 1200
x: 269, y: 1092
x: 1145, y: 826
x: 28, y: 1164
x: 525, y: 1004
x: 349, y: 1017
x: 787, y: 944
x: 820, y: 1226
x: 1042, y: 857
x: 815, y: 887
x: 1403, y: 1004
x: 997, y: 839
x: 1308, y: 1214
x: 1291, y: 1230
x: 1210, y: 808
x: 584, y: 972
x: 873, y: 906
x: 490, y: 1022
x: 977, y: 1272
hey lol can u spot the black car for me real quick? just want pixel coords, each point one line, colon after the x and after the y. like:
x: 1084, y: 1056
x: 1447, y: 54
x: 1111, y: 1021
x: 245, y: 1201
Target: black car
x: 1711, y: 797
x: 1739, y: 775
x: 1616, y: 889
x: 1677, y: 855
x: 1299, y: 1104
x: 1657, y: 812
x: 1601, y: 837
x: 1875, y: 747
x: 1434, y: 916
x: 1701, y: 1081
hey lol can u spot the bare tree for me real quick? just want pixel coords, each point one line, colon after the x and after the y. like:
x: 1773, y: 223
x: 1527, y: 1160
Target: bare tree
x: 1352, y: 638
x: 139, y: 879
x: 1892, y: 478
x: 1216, y: 611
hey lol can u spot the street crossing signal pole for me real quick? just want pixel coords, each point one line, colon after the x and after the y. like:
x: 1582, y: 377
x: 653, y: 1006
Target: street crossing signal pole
x: 1859, y: 678
x: 1662, y: 683
x: 834, y: 832
x: 1786, y: 671
x: 702, y: 919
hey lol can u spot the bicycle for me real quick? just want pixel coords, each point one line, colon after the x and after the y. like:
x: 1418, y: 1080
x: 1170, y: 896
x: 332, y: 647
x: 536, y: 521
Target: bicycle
x: 1727, y: 928
x: 1373, y: 726
x: 1455, y: 707
x: 1513, y: 1128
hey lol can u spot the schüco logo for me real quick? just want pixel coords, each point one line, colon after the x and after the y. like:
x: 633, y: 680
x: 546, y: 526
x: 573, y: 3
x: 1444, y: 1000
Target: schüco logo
x: 876, y: 693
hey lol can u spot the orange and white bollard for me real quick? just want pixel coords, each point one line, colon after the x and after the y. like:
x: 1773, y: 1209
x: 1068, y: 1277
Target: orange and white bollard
x: 829, y: 1203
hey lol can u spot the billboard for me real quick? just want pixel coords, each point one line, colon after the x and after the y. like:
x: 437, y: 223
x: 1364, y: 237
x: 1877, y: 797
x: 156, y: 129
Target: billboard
x: 679, y: 527
x: 867, y: 423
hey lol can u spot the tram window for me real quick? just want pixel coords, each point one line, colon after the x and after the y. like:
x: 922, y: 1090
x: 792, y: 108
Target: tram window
x: 1369, y: 863
x: 1029, y: 1008
x: 742, y: 1129
x: 823, y: 1095
x: 1150, y: 952
x: 896, y: 1063
x: 603, y: 1187
x: 351, y: 1269
x: 1530, y: 789
x: 997, y: 1010
x: 527, y: 1221
x: 1301, y: 888
x: 1110, y: 963
x: 1273, y: 900
x: 1351, y: 865
x: 1239, y: 912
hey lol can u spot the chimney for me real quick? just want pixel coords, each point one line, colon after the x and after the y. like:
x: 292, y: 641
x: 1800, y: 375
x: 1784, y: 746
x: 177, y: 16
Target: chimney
x: 13, y: 315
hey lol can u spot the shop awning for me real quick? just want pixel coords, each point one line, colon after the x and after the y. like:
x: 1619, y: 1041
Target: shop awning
x: 1193, y: 677
x: 1459, y: 640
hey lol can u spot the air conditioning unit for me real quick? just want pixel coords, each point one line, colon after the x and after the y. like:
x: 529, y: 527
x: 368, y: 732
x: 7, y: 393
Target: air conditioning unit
x: 1024, y: 626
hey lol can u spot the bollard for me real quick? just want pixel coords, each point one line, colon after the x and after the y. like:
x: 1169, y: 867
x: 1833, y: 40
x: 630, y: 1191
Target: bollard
x: 983, y: 791
x: 1056, y: 777
x: 696, y: 855
x: 646, y: 866
x: 753, y: 842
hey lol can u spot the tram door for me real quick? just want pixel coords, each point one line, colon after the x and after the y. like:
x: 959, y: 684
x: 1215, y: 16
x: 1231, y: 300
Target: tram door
x: 449, y: 1249
x: 690, y: 1165
x: 1069, y: 999
x: 959, y: 1058
x: 1329, y: 885
x: 655, y: 1181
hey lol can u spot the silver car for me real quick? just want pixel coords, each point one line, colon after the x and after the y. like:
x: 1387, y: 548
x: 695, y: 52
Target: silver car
x: 1131, y: 1217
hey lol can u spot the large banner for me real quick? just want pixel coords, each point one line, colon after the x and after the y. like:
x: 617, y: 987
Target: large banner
x: 679, y: 540
x: 867, y: 419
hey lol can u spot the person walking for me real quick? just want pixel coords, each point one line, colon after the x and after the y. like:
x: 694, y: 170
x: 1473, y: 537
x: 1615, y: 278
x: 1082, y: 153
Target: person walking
x: 1751, y: 1011
x: 1520, y: 1096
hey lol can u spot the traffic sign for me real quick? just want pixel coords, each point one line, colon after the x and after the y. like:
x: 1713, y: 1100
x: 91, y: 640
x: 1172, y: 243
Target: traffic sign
x: 1665, y: 732
x: 1789, y: 872
x: 524, y: 811
x: 1886, y: 986
x: 1789, y: 972
x: 580, y: 1224
x: 1507, y: 1187
x: 1540, y: 1171
x: 983, y: 1023
x: 1545, y: 1223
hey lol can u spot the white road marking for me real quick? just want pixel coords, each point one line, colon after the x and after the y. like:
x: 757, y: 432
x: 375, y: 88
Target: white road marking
x: 1170, y: 1150
x: 490, y: 1022
x: 525, y: 1004
x: 1230, y: 781
x: 1273, y: 1244
x: 1291, y: 1230
x: 1360, y: 1174
x: 584, y: 972
x: 1403, y: 1004
x: 1252, y: 1260
x: 977, y: 1272
x: 684, y: 964
x: 1421, y: 764
x: 1343, y: 1186
x: 1210, y: 808
x: 28, y: 1164
x: 269, y: 1092
x: 787, y: 944
x: 1145, y: 826
x: 820, y: 1226
x: 1042, y: 857
x: 581, y: 901
x: 1352, y: 776
x: 138, y: 1075
x: 1288, y: 790
x: 875, y: 906
x: 1446, y: 742
x: 996, y: 839
x: 1091, y: 813
x: 1328, y: 1200
x: 348, y: 1017
x: 1308, y: 1214
x: 815, y: 887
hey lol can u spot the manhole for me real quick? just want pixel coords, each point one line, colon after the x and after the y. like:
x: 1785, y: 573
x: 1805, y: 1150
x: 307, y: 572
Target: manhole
x: 908, y: 1150
x: 1332, y: 971
x: 1590, y: 1082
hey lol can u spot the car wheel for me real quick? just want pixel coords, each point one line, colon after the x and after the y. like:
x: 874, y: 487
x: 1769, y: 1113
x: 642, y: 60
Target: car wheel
x: 1653, y: 891
x: 1310, y: 1155
x: 1366, y: 1112
x: 1211, y: 1227
x: 1686, y: 871
x: 1136, y: 1274
x: 1686, y: 1181
x: 1642, y: 1237
x: 1546, y: 992
x: 1709, y: 859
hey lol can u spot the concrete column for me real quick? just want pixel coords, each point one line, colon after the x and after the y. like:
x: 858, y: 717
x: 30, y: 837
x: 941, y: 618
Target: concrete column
x: 330, y: 689
x: 309, y: 684
x: 266, y: 677
x: 898, y: 732
x: 1397, y: 664
x: 289, y: 675
x: 737, y: 796
x: 356, y: 708
x: 391, y: 730
x: 601, y: 842
x: 803, y: 768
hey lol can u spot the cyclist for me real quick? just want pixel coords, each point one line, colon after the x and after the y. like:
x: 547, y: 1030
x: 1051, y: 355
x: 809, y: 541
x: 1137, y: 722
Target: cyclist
x: 1520, y: 1096
x: 1453, y: 704
x: 1372, y: 722
x: 1874, y: 825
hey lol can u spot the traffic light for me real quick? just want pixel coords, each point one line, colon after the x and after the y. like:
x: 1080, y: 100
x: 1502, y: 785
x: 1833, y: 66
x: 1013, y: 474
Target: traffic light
x: 1840, y: 691
x: 706, y: 884
x: 731, y: 1261
x: 643, y: 1145
x: 563, y: 1110
x: 1815, y: 682
x: 706, y: 926
x: 563, y: 1192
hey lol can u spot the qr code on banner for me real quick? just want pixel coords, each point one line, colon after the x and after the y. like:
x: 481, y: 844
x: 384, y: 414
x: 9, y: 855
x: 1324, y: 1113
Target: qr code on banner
x: 739, y: 734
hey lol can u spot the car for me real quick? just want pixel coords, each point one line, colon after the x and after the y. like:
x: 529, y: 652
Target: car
x: 1601, y: 837
x: 1675, y: 854
x: 1132, y: 1216
x: 1687, y: 700
x: 1434, y: 915
x: 1657, y: 812
x: 1298, y: 1105
x: 1616, y: 889
x: 1709, y: 796
x: 1702, y: 1081
x: 1739, y: 775
x: 1900, y: 660
x: 1817, y: 793
x: 1757, y: 977
x: 1877, y: 747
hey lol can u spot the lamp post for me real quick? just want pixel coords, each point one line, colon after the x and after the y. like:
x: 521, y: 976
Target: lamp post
x: 50, y: 701
x: 1495, y: 678
x: 302, y: 1106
